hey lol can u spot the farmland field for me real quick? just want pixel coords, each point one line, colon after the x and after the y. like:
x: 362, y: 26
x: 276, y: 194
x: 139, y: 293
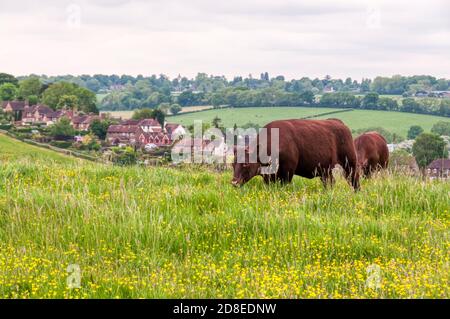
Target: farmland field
x: 128, y: 114
x: 168, y: 233
x: 396, y: 122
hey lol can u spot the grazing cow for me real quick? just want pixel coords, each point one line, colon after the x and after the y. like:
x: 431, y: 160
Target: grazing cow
x: 372, y: 151
x: 308, y: 148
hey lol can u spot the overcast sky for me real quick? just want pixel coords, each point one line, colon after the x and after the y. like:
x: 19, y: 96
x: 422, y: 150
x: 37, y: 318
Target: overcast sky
x: 357, y: 38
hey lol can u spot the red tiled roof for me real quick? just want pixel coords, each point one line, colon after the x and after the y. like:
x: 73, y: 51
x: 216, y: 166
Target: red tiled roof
x: 155, y: 134
x: 90, y: 119
x: 79, y: 119
x: 130, y: 122
x: 149, y: 122
x: 123, y: 129
x: 15, y: 105
x: 442, y: 163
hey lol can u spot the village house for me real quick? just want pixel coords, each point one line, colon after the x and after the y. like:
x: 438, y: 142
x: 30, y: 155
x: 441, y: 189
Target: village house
x: 143, y: 132
x: 123, y: 134
x: 156, y: 138
x: 175, y: 130
x: 439, y: 168
x: 83, y: 122
x: 150, y: 125
x: 15, y: 108
x: 42, y: 114
x: 441, y: 94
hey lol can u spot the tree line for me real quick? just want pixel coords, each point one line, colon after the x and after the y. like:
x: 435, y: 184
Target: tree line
x: 127, y: 92
x: 56, y: 95
x: 373, y: 101
x: 202, y: 82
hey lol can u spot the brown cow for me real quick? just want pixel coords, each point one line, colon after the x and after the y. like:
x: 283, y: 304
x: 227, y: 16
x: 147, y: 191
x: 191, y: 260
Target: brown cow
x: 308, y: 148
x: 372, y: 151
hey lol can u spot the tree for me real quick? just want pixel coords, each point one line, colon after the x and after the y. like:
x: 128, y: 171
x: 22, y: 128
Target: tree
x: 409, y: 105
x: 142, y: 114
x: 93, y: 85
x: 427, y: 148
x: 55, y: 91
x: 175, y: 108
x: 216, y: 122
x: 32, y: 99
x: 365, y: 85
x: 164, y: 107
x: 307, y: 97
x: 99, y: 128
x: 8, y: 92
x: 146, y: 113
x: 187, y: 98
x: 370, y: 101
x: 62, y: 130
x: 159, y: 115
x: 30, y: 86
x: 124, y: 157
x: 86, y: 99
x: 218, y: 99
x: 68, y: 101
x: 8, y: 78
x: 414, y: 131
x: 441, y: 128
x: 386, y: 103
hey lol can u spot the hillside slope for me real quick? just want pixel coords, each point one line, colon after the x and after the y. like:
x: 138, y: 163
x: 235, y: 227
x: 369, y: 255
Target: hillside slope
x: 14, y: 150
x: 162, y: 232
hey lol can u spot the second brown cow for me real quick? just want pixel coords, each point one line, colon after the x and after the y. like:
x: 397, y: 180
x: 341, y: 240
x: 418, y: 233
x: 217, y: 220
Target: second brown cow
x: 372, y: 151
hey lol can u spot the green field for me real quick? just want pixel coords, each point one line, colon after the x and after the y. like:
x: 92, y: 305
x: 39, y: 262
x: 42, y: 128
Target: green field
x: 128, y: 114
x: 396, y: 122
x: 168, y: 233
x: 12, y: 150
x: 100, y: 96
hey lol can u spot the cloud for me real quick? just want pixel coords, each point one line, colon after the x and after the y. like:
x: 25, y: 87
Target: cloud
x: 358, y: 38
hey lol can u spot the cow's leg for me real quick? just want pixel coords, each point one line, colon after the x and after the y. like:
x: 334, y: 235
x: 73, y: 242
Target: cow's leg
x: 368, y: 171
x: 269, y: 178
x: 285, y: 175
x: 351, y: 172
x: 286, y: 178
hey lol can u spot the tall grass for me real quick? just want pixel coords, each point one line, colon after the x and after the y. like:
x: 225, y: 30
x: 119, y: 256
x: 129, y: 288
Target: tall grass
x: 164, y: 232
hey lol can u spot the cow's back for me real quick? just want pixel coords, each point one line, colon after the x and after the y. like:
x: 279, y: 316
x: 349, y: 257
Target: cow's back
x: 313, y: 144
x: 372, y: 150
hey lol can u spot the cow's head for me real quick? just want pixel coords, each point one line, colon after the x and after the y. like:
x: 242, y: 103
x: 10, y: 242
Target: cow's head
x: 245, y: 170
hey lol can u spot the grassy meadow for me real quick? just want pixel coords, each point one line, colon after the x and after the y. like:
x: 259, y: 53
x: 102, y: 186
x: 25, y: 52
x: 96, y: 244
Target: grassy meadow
x: 395, y: 122
x: 186, y: 233
x: 128, y: 114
